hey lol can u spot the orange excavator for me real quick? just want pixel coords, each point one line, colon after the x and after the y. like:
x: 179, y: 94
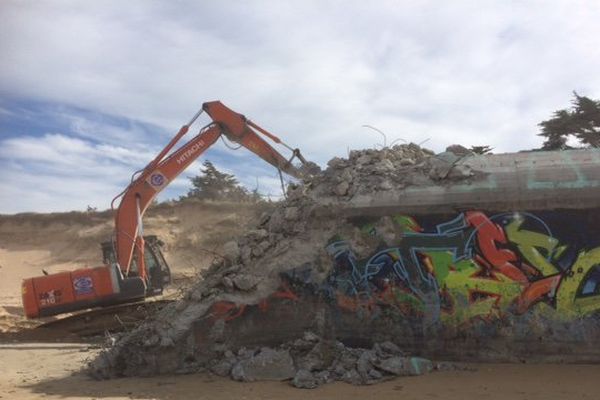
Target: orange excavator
x: 134, y: 267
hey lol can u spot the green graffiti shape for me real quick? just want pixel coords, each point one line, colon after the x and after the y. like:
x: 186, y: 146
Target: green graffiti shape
x: 529, y: 244
x: 406, y: 223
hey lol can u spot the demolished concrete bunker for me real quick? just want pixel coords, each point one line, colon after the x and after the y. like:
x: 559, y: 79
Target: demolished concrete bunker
x: 389, y: 256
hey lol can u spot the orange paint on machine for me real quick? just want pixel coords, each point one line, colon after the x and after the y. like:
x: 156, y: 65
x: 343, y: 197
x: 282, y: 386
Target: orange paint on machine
x: 67, y: 291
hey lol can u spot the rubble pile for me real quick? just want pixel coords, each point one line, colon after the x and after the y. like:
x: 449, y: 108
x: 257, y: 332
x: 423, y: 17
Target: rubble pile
x: 248, y: 272
x: 310, y: 361
x: 370, y: 170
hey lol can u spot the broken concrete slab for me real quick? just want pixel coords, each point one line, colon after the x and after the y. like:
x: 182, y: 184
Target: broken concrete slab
x: 304, y: 379
x: 266, y: 365
x: 231, y: 250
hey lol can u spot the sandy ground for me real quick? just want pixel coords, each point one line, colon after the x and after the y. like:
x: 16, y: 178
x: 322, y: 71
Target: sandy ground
x: 29, y: 243
x: 34, y: 371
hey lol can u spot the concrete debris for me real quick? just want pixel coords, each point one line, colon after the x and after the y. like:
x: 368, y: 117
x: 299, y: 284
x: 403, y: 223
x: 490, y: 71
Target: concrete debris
x: 227, y: 282
x: 245, y: 282
x: 459, y: 172
x: 266, y: 365
x: 342, y: 188
x: 311, y: 361
x: 387, y: 347
x: 223, y: 368
x: 284, y: 239
x: 393, y: 365
x: 305, y: 380
x: 459, y: 150
x: 368, y: 171
x: 291, y: 213
x: 231, y: 250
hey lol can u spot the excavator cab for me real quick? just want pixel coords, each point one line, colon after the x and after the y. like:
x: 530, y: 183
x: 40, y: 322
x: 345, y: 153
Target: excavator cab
x: 159, y: 274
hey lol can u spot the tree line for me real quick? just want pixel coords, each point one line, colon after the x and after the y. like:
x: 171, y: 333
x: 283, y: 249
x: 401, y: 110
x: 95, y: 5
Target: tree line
x: 213, y: 184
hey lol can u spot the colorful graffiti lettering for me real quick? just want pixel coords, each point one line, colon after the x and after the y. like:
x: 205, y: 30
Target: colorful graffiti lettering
x: 472, y: 266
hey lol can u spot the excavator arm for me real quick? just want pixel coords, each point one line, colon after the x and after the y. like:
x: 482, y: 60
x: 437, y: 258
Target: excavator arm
x: 166, y: 167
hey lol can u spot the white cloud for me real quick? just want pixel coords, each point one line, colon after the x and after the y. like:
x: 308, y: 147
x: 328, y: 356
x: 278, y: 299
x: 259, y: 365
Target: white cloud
x: 57, y: 172
x: 71, y: 155
x: 312, y: 72
x: 25, y: 191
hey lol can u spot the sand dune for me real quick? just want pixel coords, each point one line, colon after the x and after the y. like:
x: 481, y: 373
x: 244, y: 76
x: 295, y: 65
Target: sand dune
x: 30, y: 243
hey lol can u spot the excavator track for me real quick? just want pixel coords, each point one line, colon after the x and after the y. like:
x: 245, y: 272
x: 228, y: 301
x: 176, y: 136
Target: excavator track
x: 104, y: 320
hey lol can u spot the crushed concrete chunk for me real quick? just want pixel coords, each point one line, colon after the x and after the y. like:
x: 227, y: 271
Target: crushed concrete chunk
x: 291, y: 213
x: 460, y: 172
x: 267, y: 365
x: 386, y: 185
x: 227, y: 282
x: 390, y: 348
x: 258, y: 234
x: 305, y: 380
x: 336, y: 162
x: 222, y: 368
x: 419, y: 366
x: 394, y: 365
x: 231, y: 250
x: 245, y: 282
x: 342, y: 188
x: 459, y: 150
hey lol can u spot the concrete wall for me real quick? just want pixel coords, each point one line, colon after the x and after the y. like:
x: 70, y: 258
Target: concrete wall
x: 500, y: 265
x: 496, y: 286
x: 512, y: 181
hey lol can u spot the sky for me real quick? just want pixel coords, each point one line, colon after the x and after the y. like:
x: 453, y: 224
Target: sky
x: 91, y: 91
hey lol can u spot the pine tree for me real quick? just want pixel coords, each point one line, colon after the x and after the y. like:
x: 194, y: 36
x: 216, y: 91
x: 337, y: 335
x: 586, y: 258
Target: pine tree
x: 481, y: 149
x: 582, y: 121
x: 587, y: 118
x: 213, y: 184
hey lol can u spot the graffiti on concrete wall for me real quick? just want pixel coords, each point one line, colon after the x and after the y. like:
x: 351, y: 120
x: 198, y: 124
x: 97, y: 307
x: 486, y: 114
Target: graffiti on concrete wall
x: 471, y: 266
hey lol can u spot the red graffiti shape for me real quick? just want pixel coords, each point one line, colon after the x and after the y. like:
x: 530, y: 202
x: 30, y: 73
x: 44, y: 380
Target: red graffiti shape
x: 488, y: 235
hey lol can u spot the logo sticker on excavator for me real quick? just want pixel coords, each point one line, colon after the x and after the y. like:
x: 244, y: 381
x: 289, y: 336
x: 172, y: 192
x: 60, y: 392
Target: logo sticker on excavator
x: 83, y: 285
x: 157, y: 180
x: 50, y: 297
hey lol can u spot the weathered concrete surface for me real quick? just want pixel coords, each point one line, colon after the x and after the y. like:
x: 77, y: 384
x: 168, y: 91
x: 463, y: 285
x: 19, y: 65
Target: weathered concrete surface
x: 266, y: 365
x: 502, y: 182
x: 464, y: 277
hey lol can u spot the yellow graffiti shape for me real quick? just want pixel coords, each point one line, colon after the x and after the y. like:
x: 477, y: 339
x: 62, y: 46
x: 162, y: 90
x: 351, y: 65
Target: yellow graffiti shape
x: 464, y: 281
x: 461, y: 279
x: 568, y: 302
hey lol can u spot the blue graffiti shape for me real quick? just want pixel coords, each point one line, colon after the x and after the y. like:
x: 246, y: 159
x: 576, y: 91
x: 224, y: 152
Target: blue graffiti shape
x: 401, y: 266
x: 591, y: 287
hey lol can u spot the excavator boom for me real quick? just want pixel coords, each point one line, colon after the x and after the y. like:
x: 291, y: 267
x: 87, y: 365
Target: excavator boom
x: 162, y: 170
